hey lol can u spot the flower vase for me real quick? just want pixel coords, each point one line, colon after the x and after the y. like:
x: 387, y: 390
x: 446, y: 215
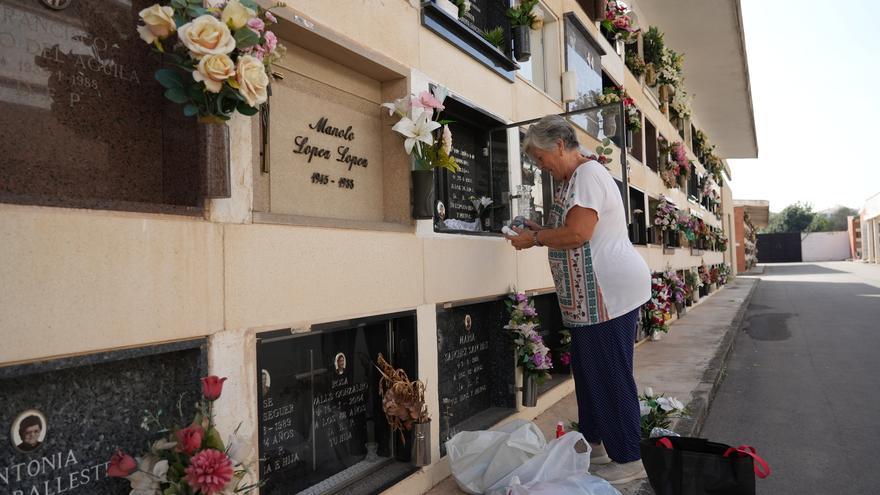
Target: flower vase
x: 650, y: 75
x: 421, y: 444
x: 664, y: 93
x: 522, y: 50
x: 448, y: 7
x: 422, y: 194
x: 619, y: 47
x: 213, y: 136
x: 529, y: 391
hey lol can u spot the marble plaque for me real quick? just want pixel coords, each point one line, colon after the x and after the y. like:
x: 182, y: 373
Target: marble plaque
x: 320, y: 414
x: 326, y: 151
x: 62, y: 420
x: 82, y: 120
x: 476, y: 365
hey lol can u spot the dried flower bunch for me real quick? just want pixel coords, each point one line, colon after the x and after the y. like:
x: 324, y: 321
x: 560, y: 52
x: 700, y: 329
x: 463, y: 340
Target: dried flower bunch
x: 403, y: 401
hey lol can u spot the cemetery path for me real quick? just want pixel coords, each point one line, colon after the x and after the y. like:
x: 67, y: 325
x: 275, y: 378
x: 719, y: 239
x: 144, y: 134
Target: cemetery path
x: 802, y: 381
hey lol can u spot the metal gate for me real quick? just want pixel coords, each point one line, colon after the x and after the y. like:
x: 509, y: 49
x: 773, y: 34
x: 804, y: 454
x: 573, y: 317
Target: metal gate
x: 779, y: 248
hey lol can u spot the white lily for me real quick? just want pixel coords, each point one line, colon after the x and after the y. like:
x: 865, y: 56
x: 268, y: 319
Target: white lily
x: 150, y: 473
x: 162, y: 444
x: 649, y: 392
x: 417, y: 130
x: 400, y: 106
x: 239, y: 449
x: 644, y: 408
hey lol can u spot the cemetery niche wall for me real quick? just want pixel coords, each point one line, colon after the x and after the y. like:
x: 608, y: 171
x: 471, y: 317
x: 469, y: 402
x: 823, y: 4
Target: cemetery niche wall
x: 83, y: 122
x: 481, y: 154
x: 476, y: 367
x: 63, y: 419
x: 321, y: 425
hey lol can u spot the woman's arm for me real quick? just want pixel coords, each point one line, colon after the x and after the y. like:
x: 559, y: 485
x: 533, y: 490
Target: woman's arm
x: 578, y: 229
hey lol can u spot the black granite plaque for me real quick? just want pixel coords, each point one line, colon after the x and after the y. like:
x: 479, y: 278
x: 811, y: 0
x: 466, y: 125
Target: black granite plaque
x: 82, y: 120
x: 472, y: 180
x: 476, y: 366
x: 486, y: 15
x: 61, y: 421
x: 321, y: 421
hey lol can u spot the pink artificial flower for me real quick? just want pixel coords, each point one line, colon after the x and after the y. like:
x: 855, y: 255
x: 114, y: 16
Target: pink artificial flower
x: 565, y: 358
x: 189, y: 439
x: 427, y: 100
x: 622, y: 22
x: 271, y: 18
x: 121, y: 465
x: 520, y: 297
x: 538, y: 359
x: 258, y: 52
x: 209, y: 472
x: 530, y: 311
x: 271, y: 41
x: 212, y: 387
x: 256, y: 24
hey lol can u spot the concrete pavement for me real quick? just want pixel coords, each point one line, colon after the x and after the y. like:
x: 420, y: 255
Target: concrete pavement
x: 803, y: 380
x: 685, y: 364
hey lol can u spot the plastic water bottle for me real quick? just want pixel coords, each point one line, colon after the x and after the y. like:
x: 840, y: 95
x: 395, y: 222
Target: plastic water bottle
x: 560, y: 429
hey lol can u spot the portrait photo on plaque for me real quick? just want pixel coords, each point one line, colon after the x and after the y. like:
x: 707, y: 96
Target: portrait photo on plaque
x: 339, y: 363
x: 265, y: 381
x: 29, y: 431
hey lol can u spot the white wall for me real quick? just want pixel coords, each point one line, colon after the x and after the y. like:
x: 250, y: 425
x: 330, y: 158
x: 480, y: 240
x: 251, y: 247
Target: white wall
x: 825, y: 246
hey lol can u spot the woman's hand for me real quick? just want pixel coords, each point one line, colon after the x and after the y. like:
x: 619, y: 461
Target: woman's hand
x: 524, y: 240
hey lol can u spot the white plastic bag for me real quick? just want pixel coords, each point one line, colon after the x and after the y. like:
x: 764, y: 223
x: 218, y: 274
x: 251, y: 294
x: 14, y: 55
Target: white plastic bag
x: 480, y: 459
x: 564, y: 457
x: 583, y: 484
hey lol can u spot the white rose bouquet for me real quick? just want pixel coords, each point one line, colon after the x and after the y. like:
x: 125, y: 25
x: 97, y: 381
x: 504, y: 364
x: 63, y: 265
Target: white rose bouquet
x: 221, y: 51
x: 657, y: 411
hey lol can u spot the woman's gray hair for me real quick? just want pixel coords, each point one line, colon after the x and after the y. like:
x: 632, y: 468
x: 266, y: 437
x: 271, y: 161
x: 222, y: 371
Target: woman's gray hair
x: 544, y: 134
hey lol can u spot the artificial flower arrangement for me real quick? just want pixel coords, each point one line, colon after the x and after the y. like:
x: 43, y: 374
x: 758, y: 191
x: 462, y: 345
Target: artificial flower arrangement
x: 681, y: 165
x: 693, y: 281
x: 431, y: 139
x: 670, y: 71
x: 564, y: 349
x: 653, y: 47
x: 720, y: 240
x: 658, y: 310
x: 666, y: 215
x: 677, y: 286
x: 714, y: 274
x: 190, y: 460
x: 464, y: 6
x: 680, y: 105
x: 403, y: 400
x: 221, y: 51
x: 711, y: 189
x: 531, y: 353
x: 618, y: 24
x: 723, y: 274
x: 657, y: 411
x: 603, y: 152
x: 635, y: 63
x: 705, y: 277
x: 689, y: 225
x: 616, y: 94
x: 524, y: 14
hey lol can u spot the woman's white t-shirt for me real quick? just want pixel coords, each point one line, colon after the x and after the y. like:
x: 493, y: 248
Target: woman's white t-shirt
x: 606, y: 277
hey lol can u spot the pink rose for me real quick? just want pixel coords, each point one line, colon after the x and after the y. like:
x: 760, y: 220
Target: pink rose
x: 121, y: 465
x: 271, y: 41
x: 271, y: 18
x: 189, y: 439
x: 256, y: 24
x: 212, y: 387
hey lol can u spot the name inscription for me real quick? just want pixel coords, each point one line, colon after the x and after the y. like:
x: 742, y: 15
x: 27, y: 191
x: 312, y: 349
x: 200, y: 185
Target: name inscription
x: 23, y: 478
x: 343, y: 153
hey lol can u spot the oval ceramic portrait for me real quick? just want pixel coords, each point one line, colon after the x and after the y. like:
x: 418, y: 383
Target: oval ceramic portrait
x: 339, y: 363
x: 29, y: 431
x: 468, y: 322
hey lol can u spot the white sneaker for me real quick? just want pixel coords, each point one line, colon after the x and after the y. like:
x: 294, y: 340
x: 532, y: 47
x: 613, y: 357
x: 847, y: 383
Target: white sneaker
x: 618, y: 474
x: 598, y: 455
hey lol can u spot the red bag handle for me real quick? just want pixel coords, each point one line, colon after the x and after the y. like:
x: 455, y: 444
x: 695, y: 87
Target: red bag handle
x: 762, y: 469
x: 664, y: 442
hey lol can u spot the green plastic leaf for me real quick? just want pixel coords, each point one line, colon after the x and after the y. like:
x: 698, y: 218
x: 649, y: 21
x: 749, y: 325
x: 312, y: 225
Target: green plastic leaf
x: 245, y: 38
x: 178, y: 4
x: 177, y: 95
x: 245, y: 109
x: 169, y: 78
x: 213, y: 440
x: 190, y: 110
x: 196, y: 11
x: 197, y: 93
x: 250, y: 4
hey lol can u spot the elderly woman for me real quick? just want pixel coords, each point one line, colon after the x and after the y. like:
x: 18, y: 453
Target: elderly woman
x: 600, y: 281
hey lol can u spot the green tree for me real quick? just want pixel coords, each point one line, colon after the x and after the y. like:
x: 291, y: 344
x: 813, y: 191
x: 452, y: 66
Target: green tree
x: 794, y: 218
x: 838, y: 220
x: 820, y: 223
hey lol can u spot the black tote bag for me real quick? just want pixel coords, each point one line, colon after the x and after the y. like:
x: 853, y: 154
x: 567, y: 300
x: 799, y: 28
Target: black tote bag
x: 696, y: 466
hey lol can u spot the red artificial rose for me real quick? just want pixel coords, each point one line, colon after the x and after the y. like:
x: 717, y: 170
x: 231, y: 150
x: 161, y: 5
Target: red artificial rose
x: 190, y: 439
x: 212, y: 387
x: 121, y: 465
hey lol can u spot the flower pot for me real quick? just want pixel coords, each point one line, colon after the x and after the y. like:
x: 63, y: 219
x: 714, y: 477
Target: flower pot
x: 619, y: 47
x: 522, y: 50
x: 650, y: 75
x: 529, y: 391
x: 422, y: 193
x: 448, y: 7
x: 214, y: 163
x: 609, y: 122
x: 421, y: 444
